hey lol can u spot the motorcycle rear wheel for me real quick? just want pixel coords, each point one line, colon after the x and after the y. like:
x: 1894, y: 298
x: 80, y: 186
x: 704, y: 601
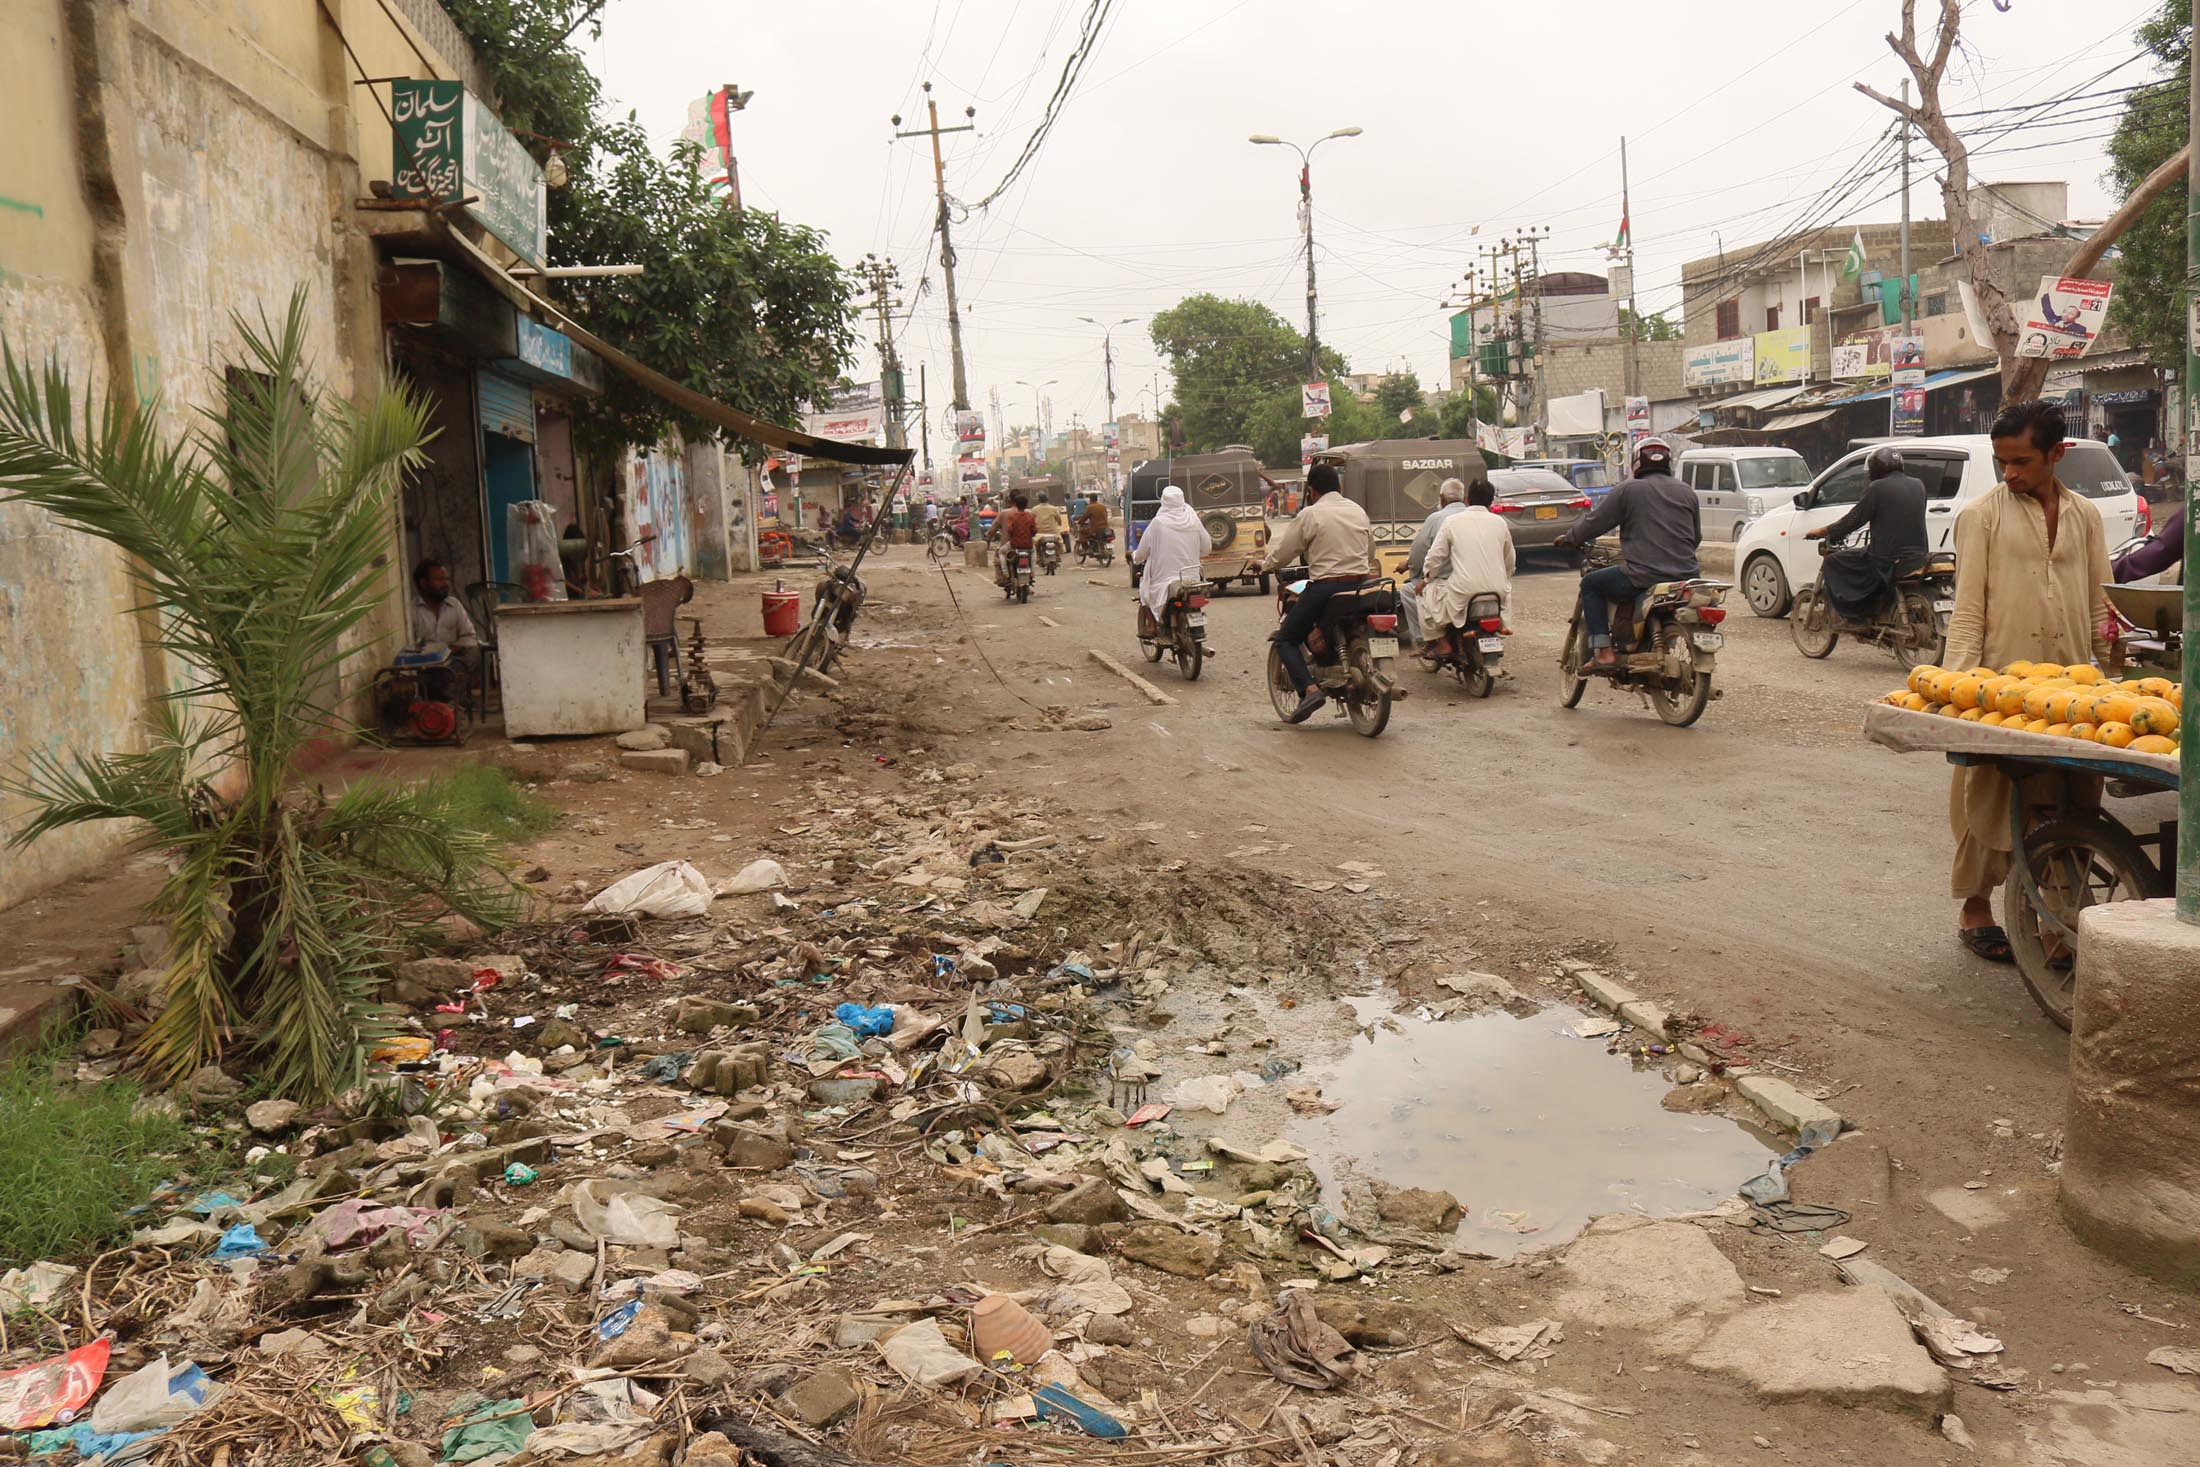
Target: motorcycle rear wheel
x: 1572, y: 681
x: 1477, y: 679
x: 1923, y: 640
x: 1190, y: 653
x: 1811, y: 624
x: 1150, y: 648
x: 1680, y: 709
x: 1370, y: 713
x: 1023, y: 594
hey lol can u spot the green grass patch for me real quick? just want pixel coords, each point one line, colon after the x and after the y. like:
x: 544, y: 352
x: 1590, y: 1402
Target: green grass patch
x: 482, y: 797
x: 73, y: 1158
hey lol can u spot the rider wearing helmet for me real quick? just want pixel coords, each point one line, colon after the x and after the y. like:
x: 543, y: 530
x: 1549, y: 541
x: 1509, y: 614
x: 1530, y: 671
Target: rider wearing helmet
x: 1893, y: 509
x: 1660, y: 525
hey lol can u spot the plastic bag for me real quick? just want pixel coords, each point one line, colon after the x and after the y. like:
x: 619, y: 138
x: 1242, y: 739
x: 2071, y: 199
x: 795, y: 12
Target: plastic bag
x: 866, y: 1020
x: 630, y: 1219
x: 531, y: 535
x: 667, y: 889
x: 151, y: 1397
x: 756, y: 876
x: 921, y: 1355
x: 1207, y: 1092
x: 54, y: 1388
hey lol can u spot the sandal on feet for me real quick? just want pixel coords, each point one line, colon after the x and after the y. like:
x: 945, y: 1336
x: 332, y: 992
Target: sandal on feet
x: 1990, y: 943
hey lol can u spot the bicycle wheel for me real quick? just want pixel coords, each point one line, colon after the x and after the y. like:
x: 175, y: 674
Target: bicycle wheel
x: 2075, y: 862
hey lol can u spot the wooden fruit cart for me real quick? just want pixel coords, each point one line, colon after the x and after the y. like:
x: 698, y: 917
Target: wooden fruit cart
x: 2080, y: 855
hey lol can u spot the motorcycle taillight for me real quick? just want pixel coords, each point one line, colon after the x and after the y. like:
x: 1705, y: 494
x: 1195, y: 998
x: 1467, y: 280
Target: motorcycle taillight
x: 1196, y: 603
x: 1712, y: 614
x: 1492, y: 624
x: 1382, y: 622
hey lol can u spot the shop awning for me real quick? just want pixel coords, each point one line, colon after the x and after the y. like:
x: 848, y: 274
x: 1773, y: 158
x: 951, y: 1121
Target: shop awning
x: 1770, y: 397
x: 1933, y: 383
x: 1789, y: 422
x: 732, y: 419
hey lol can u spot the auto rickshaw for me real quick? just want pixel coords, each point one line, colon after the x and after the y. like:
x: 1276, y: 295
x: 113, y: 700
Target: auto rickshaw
x: 1233, y: 496
x: 1395, y: 480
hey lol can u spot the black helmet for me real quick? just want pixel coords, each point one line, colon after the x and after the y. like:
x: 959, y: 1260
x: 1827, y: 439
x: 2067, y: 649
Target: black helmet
x: 1885, y: 459
x: 1653, y: 455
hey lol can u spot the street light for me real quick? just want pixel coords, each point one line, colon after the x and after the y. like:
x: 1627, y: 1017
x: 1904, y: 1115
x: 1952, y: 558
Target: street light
x: 1306, y: 222
x: 1038, y: 415
x: 1107, y: 352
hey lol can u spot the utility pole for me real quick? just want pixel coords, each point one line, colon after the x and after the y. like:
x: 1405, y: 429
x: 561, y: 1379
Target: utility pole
x: 882, y: 277
x: 2188, y: 787
x: 1530, y: 241
x: 1634, y: 321
x: 924, y: 416
x: 1306, y: 228
x: 1909, y: 318
x: 947, y: 241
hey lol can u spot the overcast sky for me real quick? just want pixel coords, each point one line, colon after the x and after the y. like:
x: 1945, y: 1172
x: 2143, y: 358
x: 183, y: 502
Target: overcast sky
x: 1739, y: 113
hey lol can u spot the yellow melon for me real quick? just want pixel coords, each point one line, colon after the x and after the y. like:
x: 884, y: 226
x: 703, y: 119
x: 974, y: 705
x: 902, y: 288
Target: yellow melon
x: 2039, y: 702
x: 2083, y: 707
x: 2114, y: 735
x: 2155, y: 716
x: 2035, y: 725
x: 1971, y: 715
x: 1990, y: 720
x: 2086, y: 675
x: 2019, y: 669
x: 2009, y: 702
x: 2154, y: 687
x: 1947, y: 710
x: 2154, y: 744
x: 1915, y: 702
x: 1919, y: 673
x: 2117, y: 708
x: 2048, y: 669
x: 2084, y: 731
x: 1963, y: 692
x: 2057, y: 730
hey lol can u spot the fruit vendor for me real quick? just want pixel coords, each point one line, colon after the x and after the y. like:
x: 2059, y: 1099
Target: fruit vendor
x: 2031, y: 557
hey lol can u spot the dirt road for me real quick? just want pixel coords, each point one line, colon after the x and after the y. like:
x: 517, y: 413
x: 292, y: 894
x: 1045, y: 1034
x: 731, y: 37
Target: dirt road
x: 1766, y: 869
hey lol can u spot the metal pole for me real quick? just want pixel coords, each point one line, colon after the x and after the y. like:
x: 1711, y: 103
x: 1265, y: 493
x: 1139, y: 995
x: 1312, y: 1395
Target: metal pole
x: 1634, y: 321
x: 947, y: 242
x: 1802, y: 289
x: 1306, y: 214
x: 2188, y: 786
x: 924, y: 416
x: 1909, y: 307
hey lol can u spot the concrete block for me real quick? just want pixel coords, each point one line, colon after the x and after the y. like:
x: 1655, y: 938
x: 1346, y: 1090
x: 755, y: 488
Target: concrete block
x: 1604, y: 992
x: 2131, y: 1143
x: 1646, y: 1015
x: 641, y: 740
x: 822, y: 1399
x: 1851, y: 1348
x: 1690, y: 1049
x: 699, y: 737
x: 655, y: 761
x: 1787, y: 1107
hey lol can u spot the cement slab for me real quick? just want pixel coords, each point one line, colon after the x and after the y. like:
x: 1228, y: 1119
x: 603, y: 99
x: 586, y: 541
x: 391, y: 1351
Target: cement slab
x: 1647, y: 1274
x: 1846, y: 1348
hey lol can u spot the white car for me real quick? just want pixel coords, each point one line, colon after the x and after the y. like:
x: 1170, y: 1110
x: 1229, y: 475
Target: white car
x: 1736, y: 485
x: 1772, y: 558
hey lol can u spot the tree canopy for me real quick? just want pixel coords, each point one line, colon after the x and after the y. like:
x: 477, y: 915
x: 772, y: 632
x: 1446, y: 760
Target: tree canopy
x: 2150, y: 279
x: 738, y: 304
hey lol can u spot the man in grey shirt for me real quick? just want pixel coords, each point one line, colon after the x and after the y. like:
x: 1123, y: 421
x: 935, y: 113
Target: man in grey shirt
x: 1450, y: 499
x: 1660, y: 525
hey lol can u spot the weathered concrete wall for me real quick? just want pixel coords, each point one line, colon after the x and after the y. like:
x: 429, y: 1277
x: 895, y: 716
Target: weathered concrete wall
x: 175, y: 162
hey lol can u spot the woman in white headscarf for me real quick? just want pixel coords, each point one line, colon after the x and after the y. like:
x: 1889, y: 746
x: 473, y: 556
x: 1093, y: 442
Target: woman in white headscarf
x: 1169, y: 548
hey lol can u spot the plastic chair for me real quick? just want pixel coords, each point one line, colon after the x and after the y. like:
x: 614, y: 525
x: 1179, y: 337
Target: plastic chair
x: 661, y: 602
x: 482, y: 600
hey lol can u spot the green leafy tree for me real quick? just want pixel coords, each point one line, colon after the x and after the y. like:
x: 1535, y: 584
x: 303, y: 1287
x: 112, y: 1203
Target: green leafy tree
x: 740, y: 305
x: 1656, y: 326
x: 256, y: 542
x: 1233, y: 362
x: 2150, y: 278
x: 1462, y: 413
x: 1398, y: 393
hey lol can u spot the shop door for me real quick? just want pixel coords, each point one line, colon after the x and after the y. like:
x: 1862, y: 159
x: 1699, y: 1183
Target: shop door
x: 508, y: 469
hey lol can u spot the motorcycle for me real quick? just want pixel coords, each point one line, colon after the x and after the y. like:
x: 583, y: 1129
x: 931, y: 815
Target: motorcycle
x: 1668, y: 641
x: 1050, y: 553
x: 1096, y: 545
x: 1016, y: 584
x: 1910, y: 620
x: 1182, y: 630
x: 1478, y: 647
x: 1351, y: 652
x: 838, y: 596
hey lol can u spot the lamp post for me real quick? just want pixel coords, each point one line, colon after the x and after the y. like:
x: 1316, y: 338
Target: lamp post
x: 1306, y: 225
x: 1107, y: 355
x: 1038, y: 419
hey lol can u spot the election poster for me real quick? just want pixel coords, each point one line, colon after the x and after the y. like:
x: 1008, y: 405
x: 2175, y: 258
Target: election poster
x: 2064, y: 319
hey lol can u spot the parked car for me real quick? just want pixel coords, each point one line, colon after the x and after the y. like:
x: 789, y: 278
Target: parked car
x: 1772, y: 558
x: 1737, y: 485
x: 1591, y: 475
x: 1538, y: 505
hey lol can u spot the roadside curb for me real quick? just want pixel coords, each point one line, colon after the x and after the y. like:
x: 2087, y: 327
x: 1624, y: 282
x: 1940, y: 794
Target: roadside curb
x: 1783, y: 1105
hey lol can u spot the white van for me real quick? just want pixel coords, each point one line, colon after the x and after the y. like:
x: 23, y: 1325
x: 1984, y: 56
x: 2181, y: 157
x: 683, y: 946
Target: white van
x: 1736, y: 485
x: 1772, y: 558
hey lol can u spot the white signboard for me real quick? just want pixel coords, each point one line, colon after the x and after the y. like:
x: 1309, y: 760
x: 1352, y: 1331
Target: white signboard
x: 857, y: 426
x: 2064, y: 319
x: 1314, y: 397
x: 1718, y: 362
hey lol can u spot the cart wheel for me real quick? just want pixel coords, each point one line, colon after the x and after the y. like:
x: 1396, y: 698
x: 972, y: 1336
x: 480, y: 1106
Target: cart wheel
x: 2075, y: 862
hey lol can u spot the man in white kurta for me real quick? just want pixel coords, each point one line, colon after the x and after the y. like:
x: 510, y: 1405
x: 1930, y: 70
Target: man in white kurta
x: 1168, y: 551
x: 1472, y: 556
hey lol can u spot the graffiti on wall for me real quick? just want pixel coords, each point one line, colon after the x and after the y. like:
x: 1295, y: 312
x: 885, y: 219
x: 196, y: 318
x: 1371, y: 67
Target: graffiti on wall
x: 656, y: 513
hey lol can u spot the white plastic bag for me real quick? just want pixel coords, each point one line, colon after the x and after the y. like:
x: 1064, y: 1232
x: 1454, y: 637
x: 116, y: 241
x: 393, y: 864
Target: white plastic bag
x: 151, y: 1397
x: 757, y: 876
x: 921, y: 1355
x: 667, y: 889
x: 1207, y: 1092
x: 630, y: 1219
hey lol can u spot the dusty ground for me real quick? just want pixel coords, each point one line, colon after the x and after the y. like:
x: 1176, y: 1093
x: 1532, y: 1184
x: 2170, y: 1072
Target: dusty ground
x: 1765, y: 870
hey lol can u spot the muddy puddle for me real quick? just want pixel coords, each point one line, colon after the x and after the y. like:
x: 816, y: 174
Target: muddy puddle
x: 1534, y: 1130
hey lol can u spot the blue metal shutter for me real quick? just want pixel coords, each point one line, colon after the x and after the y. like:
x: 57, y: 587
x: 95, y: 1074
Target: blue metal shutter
x: 507, y: 407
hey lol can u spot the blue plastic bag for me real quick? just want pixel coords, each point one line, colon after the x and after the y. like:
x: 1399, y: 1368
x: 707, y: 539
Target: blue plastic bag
x: 241, y: 1241
x: 867, y: 1021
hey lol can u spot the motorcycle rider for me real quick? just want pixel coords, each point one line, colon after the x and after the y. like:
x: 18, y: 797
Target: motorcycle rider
x: 1093, y: 524
x: 1332, y: 536
x: 1473, y: 556
x: 1893, y: 506
x: 1451, y: 497
x: 1050, y: 520
x: 1169, y: 552
x: 1015, y: 529
x: 1660, y: 525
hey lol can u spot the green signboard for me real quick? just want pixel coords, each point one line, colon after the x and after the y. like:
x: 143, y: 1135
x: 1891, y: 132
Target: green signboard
x: 449, y: 146
x: 1462, y: 334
